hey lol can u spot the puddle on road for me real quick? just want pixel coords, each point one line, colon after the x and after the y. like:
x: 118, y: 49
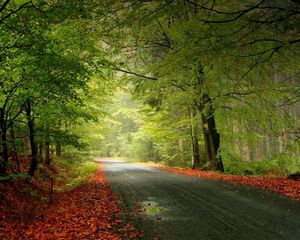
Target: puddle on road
x: 151, y: 208
x: 154, y: 210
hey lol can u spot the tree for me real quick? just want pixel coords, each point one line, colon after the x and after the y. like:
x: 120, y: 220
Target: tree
x: 222, y: 54
x: 46, y: 67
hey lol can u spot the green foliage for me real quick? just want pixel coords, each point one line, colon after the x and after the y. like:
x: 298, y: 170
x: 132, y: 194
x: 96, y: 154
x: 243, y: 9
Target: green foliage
x: 140, y: 147
x: 113, y: 135
x: 49, y: 57
x: 76, y: 172
x: 80, y: 174
x: 238, y: 65
x: 182, y: 62
x: 15, y: 177
x: 280, y: 165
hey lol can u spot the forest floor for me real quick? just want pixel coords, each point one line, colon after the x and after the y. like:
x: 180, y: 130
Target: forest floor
x: 180, y: 206
x: 162, y: 202
x: 87, y: 211
x: 286, y: 187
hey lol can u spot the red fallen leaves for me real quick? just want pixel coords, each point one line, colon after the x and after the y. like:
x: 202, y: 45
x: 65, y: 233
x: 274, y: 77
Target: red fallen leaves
x: 136, y: 235
x: 287, y: 187
x: 89, y: 211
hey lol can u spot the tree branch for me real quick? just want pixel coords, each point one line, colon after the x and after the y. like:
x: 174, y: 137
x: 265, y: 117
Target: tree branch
x: 133, y: 73
x: 4, y: 5
x: 15, y: 11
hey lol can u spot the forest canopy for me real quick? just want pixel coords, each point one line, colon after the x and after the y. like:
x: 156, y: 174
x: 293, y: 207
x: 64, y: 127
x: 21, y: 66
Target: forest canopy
x: 200, y: 84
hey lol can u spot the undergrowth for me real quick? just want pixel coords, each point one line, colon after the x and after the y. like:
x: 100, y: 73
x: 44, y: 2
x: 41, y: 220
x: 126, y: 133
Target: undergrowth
x: 74, y: 173
x: 281, y: 166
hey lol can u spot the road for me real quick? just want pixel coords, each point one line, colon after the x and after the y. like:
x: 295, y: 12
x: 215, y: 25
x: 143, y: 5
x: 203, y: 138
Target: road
x: 184, y: 207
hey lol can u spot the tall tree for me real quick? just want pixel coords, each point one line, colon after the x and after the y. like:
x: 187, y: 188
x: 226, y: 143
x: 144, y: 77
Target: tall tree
x: 222, y: 54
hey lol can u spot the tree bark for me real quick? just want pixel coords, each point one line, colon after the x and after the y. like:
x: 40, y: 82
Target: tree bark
x: 40, y: 152
x: 195, y: 145
x: 58, y: 149
x: 47, y: 147
x: 15, y: 147
x: 211, y: 135
x: 150, y: 151
x: 196, y: 152
x: 30, y: 123
x: 181, y: 150
x: 3, y: 128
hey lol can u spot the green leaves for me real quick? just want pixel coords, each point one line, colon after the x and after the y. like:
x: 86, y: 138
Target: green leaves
x: 242, y: 55
x: 49, y: 55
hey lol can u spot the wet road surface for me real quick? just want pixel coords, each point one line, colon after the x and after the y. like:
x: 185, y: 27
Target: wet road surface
x: 184, y: 207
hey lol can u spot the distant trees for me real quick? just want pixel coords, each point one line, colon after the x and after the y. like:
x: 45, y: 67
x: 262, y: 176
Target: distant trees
x: 220, y: 58
x: 220, y: 79
x: 45, y: 68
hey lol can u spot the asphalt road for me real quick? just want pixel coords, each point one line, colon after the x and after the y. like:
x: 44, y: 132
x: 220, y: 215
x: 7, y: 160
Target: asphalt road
x: 184, y: 207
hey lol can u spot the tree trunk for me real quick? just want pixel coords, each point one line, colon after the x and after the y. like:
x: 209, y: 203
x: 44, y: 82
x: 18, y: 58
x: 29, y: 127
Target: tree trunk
x: 195, y: 145
x: 207, y: 142
x: 58, y: 149
x: 3, y: 128
x: 150, y: 155
x: 181, y: 150
x: 47, y: 147
x: 211, y: 135
x: 215, y: 143
x: 4, y: 153
x: 15, y: 147
x: 30, y: 123
x: 40, y: 152
x: 196, y: 152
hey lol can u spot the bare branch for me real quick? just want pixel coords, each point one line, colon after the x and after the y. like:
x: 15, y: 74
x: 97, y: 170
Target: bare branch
x: 15, y: 11
x: 4, y: 5
x: 133, y: 73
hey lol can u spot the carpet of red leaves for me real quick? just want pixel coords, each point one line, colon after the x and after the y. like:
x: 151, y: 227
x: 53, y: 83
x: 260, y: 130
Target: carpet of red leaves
x: 89, y: 211
x: 286, y: 187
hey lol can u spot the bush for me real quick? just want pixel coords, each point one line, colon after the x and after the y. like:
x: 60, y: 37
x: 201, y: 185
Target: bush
x: 281, y: 165
x: 15, y: 176
x: 75, y: 172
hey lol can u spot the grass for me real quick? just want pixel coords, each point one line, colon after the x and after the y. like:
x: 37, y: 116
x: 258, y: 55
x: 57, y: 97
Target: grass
x: 280, y: 166
x: 276, y: 167
x: 15, y: 176
x: 74, y: 173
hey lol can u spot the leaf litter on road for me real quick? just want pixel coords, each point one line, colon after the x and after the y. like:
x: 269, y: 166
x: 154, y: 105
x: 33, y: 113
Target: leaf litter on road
x: 286, y: 187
